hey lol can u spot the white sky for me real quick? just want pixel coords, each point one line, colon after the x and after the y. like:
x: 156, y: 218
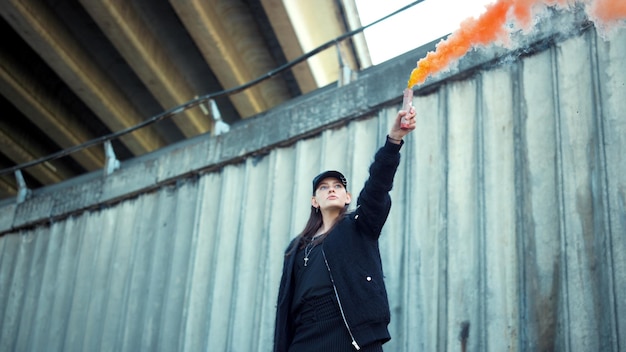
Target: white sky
x: 414, y: 27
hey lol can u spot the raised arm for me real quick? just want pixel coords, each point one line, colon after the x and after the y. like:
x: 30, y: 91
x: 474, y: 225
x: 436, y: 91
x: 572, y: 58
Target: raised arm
x: 374, y: 202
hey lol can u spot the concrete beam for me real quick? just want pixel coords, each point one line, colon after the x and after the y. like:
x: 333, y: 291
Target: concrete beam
x: 315, y: 23
x: 27, y: 95
x: 49, y: 38
x: 360, y: 44
x: 12, y: 146
x: 8, y: 187
x: 225, y: 34
x: 286, y: 35
x: 144, y: 52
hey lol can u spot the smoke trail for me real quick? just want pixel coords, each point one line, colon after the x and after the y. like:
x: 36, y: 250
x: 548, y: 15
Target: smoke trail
x: 607, y: 14
x: 499, y: 20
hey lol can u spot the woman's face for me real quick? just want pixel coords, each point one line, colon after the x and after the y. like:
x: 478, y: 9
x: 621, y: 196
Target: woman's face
x: 330, y: 193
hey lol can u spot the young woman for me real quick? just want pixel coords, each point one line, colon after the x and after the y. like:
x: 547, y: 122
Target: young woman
x: 332, y: 296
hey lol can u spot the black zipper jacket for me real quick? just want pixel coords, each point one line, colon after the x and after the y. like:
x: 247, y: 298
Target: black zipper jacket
x: 353, y: 258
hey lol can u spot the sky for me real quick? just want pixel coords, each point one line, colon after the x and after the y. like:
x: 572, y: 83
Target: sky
x: 414, y: 27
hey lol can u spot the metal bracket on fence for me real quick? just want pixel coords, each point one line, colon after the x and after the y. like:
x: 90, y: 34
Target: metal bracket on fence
x: 346, y: 75
x: 220, y: 125
x: 23, y: 191
x: 111, y: 163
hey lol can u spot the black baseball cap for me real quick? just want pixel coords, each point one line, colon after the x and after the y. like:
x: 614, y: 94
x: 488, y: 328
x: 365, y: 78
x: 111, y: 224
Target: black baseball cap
x: 329, y: 173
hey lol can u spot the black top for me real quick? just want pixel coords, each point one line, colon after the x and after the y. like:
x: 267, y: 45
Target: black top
x: 310, y: 281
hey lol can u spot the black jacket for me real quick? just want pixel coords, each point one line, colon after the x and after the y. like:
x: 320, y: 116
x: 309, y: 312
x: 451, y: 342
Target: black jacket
x: 351, y: 250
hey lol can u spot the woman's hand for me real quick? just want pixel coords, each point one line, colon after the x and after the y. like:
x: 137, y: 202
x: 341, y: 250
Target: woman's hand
x: 397, y: 133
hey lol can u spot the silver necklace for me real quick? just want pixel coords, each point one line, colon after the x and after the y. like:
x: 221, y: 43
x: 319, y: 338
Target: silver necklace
x: 309, y: 248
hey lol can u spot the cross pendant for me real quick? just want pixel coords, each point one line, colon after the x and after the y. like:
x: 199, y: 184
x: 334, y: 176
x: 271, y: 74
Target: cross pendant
x: 305, y: 261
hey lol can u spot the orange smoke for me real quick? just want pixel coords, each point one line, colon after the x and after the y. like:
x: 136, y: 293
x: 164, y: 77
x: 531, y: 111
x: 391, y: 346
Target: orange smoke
x: 608, y: 10
x: 490, y: 27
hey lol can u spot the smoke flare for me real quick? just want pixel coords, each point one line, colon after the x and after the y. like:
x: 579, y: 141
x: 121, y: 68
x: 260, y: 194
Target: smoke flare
x: 492, y: 26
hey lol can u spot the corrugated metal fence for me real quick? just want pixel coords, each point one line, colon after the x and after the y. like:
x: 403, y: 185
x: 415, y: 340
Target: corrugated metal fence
x: 509, y: 213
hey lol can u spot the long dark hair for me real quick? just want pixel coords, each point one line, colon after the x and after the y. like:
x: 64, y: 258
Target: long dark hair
x: 312, y: 225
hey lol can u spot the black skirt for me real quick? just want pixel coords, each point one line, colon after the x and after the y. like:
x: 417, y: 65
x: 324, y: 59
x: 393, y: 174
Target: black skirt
x: 320, y: 327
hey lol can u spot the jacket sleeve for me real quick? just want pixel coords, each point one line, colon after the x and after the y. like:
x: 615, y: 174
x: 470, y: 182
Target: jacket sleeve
x: 374, y: 202
x: 283, y: 327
